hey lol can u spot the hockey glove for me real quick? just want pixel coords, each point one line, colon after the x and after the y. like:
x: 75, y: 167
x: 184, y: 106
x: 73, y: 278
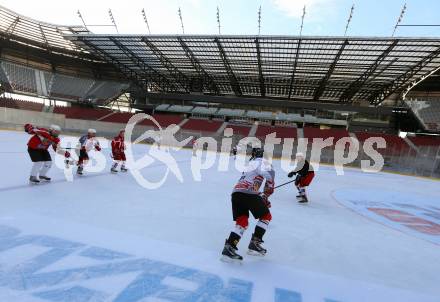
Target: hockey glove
x: 268, y: 188
x: 291, y: 174
x: 67, y: 154
x: 97, y: 148
x: 266, y: 200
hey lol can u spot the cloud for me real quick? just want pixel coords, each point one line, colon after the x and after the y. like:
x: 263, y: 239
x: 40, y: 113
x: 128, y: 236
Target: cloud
x: 294, y: 8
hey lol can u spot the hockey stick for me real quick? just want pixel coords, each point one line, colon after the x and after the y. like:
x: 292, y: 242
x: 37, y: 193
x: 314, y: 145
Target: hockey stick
x: 286, y: 183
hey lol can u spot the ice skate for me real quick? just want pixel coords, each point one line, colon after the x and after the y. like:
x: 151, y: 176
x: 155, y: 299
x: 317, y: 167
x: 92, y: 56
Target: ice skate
x: 303, y: 199
x: 229, y: 253
x: 255, y: 248
x: 79, y: 171
x: 34, y: 180
x: 45, y: 178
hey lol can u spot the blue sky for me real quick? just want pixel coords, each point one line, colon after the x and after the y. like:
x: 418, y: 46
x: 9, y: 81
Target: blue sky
x: 323, y: 17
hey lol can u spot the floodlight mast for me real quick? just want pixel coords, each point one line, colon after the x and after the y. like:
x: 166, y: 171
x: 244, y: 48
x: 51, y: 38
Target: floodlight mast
x: 112, y: 19
x: 402, y: 13
x: 302, y: 21
x: 82, y: 19
x: 144, y: 15
x: 218, y: 20
x: 181, y: 20
x: 259, y: 20
x: 349, y: 19
x: 93, y: 25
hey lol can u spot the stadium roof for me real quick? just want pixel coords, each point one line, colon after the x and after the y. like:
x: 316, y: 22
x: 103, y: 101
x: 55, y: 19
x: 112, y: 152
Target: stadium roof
x: 338, y: 70
x: 36, y: 33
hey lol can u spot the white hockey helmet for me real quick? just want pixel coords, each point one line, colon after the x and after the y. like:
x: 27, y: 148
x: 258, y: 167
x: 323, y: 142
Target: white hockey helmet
x: 55, y: 128
x: 91, y: 131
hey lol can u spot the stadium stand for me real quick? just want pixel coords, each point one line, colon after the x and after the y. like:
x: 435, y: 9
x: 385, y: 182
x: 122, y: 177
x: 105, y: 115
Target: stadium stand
x: 202, y: 125
x: 82, y: 113
x: 281, y: 132
x: 162, y: 107
x: 104, y: 90
x: 164, y: 120
x: 3, y: 78
x: 204, y: 110
x: 311, y: 132
x: 267, y: 115
x: 20, y: 104
x: 67, y: 87
x: 231, y: 112
x: 20, y: 77
x: 427, y: 110
x: 240, y: 130
x: 395, y: 144
x: 293, y: 117
x: 424, y: 140
x: 23, y: 79
x: 167, y: 119
x: 180, y: 109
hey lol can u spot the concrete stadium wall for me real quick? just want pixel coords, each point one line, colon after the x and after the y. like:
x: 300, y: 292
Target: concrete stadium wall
x: 15, y: 119
x: 21, y: 117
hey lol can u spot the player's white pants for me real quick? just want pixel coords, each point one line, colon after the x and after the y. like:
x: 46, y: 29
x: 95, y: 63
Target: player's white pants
x: 45, y: 168
x: 36, y: 167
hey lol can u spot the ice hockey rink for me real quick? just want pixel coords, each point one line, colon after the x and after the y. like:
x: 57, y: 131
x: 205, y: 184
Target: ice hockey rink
x: 103, y: 237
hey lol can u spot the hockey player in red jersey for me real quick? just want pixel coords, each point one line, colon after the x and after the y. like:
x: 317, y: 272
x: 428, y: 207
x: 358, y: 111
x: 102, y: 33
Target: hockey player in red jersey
x: 246, y: 197
x: 38, y: 146
x: 118, y: 147
x: 87, y: 143
x: 304, y: 176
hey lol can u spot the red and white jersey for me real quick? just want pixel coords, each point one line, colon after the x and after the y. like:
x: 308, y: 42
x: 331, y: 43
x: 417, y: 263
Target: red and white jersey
x: 42, y: 139
x: 118, y: 145
x: 88, y: 142
x: 251, y: 180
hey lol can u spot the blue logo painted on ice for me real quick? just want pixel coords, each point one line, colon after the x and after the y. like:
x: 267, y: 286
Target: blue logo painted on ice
x: 154, y: 279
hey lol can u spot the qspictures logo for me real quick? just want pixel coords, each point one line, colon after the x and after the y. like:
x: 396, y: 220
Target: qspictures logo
x: 206, y: 155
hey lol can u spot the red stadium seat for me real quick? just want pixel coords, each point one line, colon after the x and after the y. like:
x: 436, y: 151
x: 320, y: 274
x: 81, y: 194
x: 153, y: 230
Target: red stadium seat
x: 281, y: 132
x: 425, y: 141
x: 240, y: 130
x: 202, y: 125
x: 20, y: 104
x: 82, y: 113
x: 310, y: 133
x: 395, y: 144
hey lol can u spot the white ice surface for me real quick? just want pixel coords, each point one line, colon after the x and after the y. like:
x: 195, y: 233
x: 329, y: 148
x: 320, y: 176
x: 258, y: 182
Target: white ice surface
x: 332, y: 249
